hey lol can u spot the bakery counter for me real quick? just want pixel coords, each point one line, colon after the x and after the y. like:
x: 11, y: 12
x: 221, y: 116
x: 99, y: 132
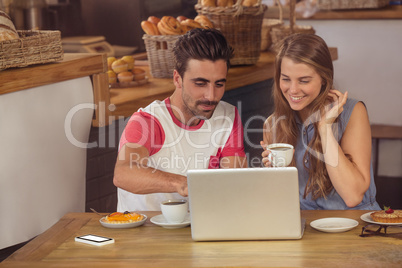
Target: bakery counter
x: 125, y: 101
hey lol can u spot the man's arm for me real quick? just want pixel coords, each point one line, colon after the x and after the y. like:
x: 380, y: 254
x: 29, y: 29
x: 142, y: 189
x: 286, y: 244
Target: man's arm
x: 233, y: 155
x: 133, y: 175
x: 233, y: 162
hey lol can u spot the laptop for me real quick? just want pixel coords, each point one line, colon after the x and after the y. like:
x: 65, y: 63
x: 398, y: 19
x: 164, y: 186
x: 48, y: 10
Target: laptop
x: 244, y: 204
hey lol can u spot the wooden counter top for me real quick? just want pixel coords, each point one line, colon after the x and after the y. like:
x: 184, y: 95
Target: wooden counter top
x: 387, y: 12
x: 74, y: 65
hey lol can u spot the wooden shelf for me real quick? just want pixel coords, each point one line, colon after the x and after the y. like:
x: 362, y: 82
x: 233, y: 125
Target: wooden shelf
x: 74, y: 65
x: 388, y: 12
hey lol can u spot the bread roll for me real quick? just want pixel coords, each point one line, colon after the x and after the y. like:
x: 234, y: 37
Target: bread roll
x: 139, y: 74
x: 230, y: 3
x: 154, y: 20
x: 110, y: 60
x: 7, y: 28
x: 249, y: 3
x: 112, y: 77
x: 208, y: 3
x: 149, y: 28
x: 221, y: 3
x: 119, y: 66
x: 130, y: 61
x: 170, y: 26
x: 181, y: 18
x: 125, y: 76
x: 190, y: 24
x: 204, y: 21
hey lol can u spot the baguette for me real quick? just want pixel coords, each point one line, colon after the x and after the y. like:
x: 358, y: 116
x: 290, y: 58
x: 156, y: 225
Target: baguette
x: 149, y: 28
x: 170, y: 26
x: 7, y: 28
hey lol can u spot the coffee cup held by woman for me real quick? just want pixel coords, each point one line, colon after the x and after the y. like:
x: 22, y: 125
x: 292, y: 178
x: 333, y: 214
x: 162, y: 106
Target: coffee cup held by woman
x: 329, y: 131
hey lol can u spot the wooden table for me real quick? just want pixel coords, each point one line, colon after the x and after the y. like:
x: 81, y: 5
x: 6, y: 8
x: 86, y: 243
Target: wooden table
x: 153, y: 246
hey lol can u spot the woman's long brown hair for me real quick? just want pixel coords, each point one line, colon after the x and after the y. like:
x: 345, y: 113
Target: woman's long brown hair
x: 281, y: 125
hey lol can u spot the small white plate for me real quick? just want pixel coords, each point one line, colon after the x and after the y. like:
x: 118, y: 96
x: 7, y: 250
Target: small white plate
x: 161, y: 221
x: 367, y: 218
x: 334, y: 225
x: 123, y: 225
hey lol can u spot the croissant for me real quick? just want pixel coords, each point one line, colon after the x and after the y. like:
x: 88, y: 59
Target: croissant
x: 190, y: 24
x: 169, y: 25
x: 204, y: 21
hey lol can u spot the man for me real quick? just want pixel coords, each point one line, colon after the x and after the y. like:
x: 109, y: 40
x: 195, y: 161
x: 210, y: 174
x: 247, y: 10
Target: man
x: 192, y: 129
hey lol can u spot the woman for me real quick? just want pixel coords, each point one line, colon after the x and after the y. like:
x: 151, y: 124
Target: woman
x: 330, y: 133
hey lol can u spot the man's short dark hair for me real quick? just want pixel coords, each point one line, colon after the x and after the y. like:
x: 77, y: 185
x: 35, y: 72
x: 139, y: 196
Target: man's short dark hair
x: 201, y: 44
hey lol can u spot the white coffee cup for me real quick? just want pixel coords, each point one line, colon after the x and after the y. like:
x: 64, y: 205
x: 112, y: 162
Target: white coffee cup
x: 281, y: 154
x: 174, y: 210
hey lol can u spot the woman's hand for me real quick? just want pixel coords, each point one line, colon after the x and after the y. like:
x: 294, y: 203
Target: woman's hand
x: 336, y: 101
x: 265, y: 161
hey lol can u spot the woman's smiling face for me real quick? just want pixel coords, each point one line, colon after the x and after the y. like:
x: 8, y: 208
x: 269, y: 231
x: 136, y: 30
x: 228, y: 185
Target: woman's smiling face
x: 300, y: 85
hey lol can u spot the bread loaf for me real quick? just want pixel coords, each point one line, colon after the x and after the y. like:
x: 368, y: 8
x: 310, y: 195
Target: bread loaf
x: 181, y: 18
x: 249, y: 3
x: 154, y: 20
x: 7, y: 28
x: 208, y: 3
x: 204, y: 21
x: 149, y: 28
x: 170, y: 26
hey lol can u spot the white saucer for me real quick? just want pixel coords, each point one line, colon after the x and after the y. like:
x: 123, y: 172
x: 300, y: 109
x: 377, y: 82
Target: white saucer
x: 334, y: 225
x: 367, y: 218
x: 161, y: 221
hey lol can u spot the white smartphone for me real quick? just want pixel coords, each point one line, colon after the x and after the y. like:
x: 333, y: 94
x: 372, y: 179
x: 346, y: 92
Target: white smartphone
x: 94, y: 240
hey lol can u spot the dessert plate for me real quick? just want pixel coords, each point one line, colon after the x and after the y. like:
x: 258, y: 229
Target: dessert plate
x: 161, y: 221
x: 123, y: 225
x: 334, y: 225
x: 367, y: 218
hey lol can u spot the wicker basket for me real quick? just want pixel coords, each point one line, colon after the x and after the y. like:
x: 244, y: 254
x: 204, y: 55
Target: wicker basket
x: 241, y: 26
x: 281, y: 32
x: 350, y: 4
x: 160, y: 54
x: 33, y: 47
x: 267, y: 26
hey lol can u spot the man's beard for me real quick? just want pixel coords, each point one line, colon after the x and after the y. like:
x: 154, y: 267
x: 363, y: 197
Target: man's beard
x: 197, y: 113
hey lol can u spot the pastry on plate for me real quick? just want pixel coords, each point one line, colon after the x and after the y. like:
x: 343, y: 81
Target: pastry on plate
x: 123, y: 217
x: 387, y: 215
